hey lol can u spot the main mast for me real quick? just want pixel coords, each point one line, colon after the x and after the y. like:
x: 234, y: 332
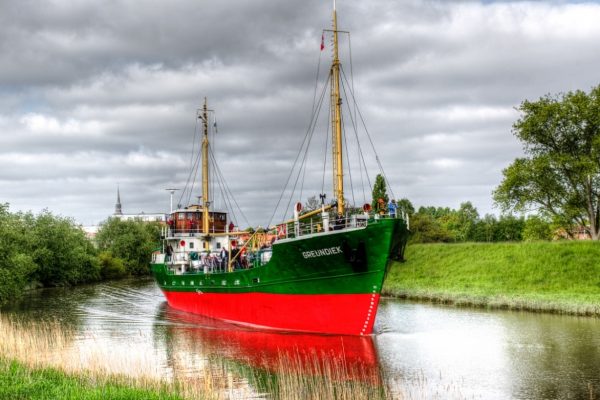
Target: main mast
x: 205, y: 202
x: 336, y: 122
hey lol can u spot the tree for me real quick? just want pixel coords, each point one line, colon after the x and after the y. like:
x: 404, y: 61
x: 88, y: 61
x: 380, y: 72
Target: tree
x: 379, y: 191
x: 467, y: 217
x: 130, y: 241
x: 560, y: 175
x: 509, y: 228
x: 485, y: 229
x: 62, y: 252
x: 426, y: 229
x: 45, y: 250
x: 16, y: 264
x: 111, y: 267
x: 405, y: 207
x: 536, y: 229
x: 311, y: 204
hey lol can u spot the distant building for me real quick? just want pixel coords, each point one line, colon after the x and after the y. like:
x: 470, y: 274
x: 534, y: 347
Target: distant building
x: 118, y: 208
x: 90, y: 231
x: 141, y: 216
x: 576, y: 233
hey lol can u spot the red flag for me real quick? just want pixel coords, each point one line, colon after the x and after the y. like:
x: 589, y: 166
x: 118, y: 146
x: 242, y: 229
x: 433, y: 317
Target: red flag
x: 322, y: 41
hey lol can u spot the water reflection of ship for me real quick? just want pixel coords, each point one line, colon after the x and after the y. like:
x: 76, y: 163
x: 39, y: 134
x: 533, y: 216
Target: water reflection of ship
x: 193, y: 337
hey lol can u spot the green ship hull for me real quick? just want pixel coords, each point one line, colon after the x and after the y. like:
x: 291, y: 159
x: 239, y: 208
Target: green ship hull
x: 327, y: 282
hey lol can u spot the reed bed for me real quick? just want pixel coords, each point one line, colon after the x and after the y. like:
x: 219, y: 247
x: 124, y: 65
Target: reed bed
x: 39, y: 346
x: 42, y: 345
x: 301, y: 377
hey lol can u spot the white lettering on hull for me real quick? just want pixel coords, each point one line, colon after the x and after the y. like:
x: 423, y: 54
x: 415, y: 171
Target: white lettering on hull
x: 322, y: 252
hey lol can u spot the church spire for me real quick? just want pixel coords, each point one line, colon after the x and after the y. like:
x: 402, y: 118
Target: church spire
x: 118, y: 210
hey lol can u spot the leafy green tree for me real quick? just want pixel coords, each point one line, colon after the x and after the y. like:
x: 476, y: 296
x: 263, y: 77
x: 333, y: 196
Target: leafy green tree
x: 467, y: 216
x: 436, y: 212
x: 42, y: 250
x: 62, y: 252
x: 509, y: 228
x: 426, y: 229
x: 130, y: 241
x: 485, y: 229
x: 536, y: 228
x: 379, y: 192
x: 16, y: 264
x: 405, y: 207
x: 111, y: 267
x: 560, y: 175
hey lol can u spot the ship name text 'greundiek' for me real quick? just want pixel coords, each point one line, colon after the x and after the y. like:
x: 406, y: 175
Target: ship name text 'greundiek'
x: 322, y: 252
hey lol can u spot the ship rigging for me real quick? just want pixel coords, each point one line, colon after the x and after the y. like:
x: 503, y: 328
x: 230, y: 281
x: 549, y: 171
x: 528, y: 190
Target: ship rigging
x: 304, y: 274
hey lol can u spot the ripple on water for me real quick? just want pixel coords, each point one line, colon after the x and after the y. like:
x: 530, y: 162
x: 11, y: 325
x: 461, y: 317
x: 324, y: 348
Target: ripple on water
x: 421, y: 348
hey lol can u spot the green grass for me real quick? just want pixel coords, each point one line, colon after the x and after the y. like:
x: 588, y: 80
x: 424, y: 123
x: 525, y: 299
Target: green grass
x: 561, y: 277
x: 18, y: 382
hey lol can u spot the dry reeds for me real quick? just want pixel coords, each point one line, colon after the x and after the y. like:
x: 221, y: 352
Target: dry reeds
x: 48, y: 344
x: 298, y: 378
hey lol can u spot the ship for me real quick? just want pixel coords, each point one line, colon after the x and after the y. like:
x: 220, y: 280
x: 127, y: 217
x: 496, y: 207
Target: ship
x: 319, y: 272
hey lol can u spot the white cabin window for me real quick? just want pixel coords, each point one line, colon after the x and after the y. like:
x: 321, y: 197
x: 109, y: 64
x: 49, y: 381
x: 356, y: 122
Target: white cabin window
x: 218, y: 245
x: 191, y: 245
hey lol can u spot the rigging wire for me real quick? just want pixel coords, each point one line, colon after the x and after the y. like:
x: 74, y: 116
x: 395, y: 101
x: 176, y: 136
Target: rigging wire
x: 228, y: 206
x: 190, y: 182
x: 361, y: 155
x: 326, y: 147
x: 211, y: 177
x: 317, y: 80
x: 310, y: 127
x: 370, y: 140
x: 348, y: 165
x: 314, y: 105
x: 227, y: 189
x: 193, y: 162
x: 310, y: 136
x: 351, y: 72
x: 362, y: 182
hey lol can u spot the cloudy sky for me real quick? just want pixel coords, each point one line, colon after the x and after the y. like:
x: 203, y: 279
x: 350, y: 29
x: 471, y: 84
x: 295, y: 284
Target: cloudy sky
x: 95, y: 94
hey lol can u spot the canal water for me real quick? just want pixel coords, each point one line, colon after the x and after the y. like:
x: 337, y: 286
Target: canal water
x: 419, y: 350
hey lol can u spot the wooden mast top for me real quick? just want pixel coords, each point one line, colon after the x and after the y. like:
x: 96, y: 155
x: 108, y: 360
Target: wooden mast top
x: 336, y: 121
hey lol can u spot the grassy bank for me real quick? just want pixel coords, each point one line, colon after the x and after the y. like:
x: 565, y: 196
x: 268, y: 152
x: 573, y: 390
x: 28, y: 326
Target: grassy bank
x: 20, y: 382
x: 562, y: 277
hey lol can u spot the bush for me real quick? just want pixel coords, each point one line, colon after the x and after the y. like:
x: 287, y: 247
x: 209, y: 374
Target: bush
x: 536, y: 229
x: 111, y: 267
x: 62, y: 252
x: 131, y: 241
x: 43, y: 249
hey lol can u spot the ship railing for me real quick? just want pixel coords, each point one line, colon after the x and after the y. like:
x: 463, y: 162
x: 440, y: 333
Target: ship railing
x: 318, y: 226
x: 397, y: 215
x: 191, y: 262
x: 260, y: 257
x: 158, y: 257
x: 191, y: 232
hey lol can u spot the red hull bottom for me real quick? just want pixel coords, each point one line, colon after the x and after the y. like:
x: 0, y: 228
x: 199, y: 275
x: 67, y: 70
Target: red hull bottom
x: 343, y: 314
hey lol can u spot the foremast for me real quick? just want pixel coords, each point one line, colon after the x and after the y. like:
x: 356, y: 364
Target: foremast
x: 205, y: 194
x: 336, y: 122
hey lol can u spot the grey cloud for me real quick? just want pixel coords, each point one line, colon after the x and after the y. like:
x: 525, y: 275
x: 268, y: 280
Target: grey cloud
x: 94, y: 94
